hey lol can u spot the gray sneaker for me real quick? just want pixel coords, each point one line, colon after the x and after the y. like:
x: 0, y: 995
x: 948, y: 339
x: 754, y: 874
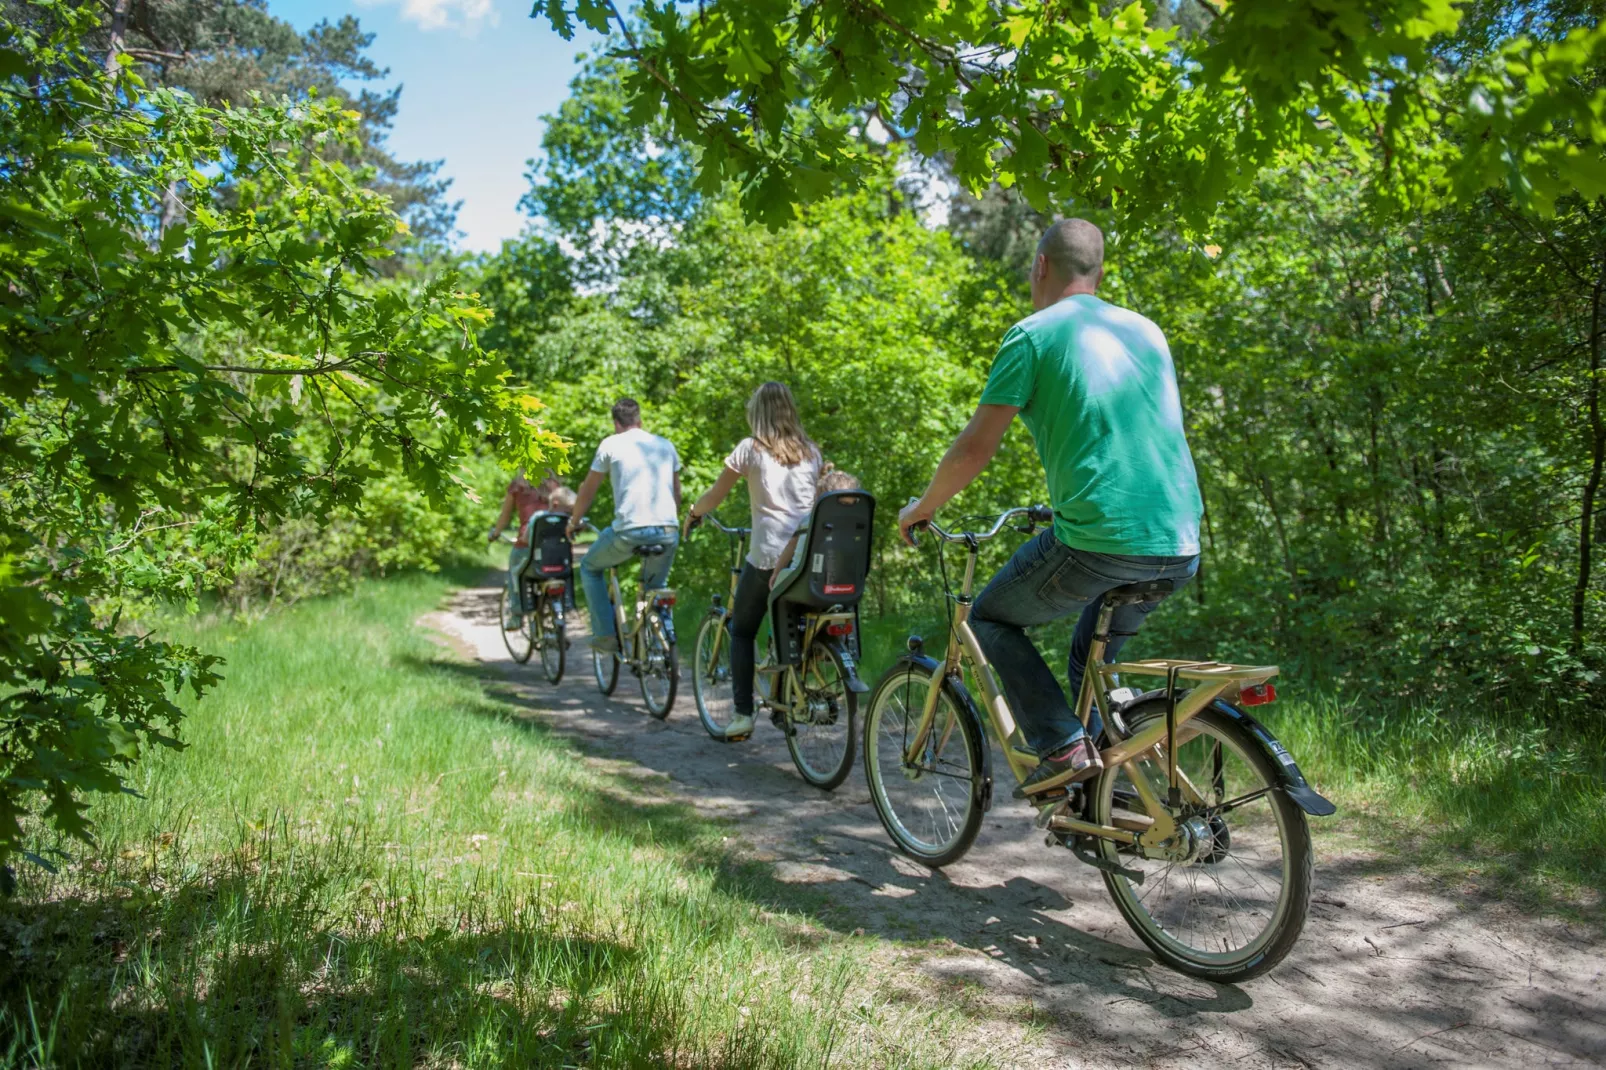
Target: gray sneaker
x: 605, y: 644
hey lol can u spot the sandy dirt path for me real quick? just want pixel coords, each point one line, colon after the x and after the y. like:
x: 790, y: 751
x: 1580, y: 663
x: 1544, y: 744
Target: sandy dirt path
x: 1390, y: 971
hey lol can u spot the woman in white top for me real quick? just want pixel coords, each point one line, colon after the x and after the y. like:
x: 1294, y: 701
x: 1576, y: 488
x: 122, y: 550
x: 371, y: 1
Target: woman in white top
x: 781, y: 466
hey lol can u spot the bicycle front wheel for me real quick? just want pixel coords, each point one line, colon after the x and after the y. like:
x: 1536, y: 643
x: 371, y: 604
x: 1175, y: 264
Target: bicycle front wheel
x: 929, y: 805
x: 660, y: 667
x: 821, y: 740
x: 516, y: 634
x: 1226, y: 900
x: 554, y: 640
x: 711, y: 676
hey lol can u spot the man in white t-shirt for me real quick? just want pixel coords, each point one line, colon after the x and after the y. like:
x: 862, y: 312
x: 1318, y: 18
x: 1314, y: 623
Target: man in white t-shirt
x: 645, y: 472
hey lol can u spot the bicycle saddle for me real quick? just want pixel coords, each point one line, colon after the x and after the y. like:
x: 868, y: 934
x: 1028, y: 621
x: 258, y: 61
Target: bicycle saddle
x: 650, y: 551
x: 1134, y: 593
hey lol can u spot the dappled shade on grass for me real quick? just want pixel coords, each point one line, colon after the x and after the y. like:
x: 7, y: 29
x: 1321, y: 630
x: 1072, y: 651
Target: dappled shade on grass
x: 363, y: 860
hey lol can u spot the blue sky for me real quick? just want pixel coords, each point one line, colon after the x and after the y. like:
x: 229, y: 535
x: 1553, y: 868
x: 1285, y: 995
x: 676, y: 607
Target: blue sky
x: 477, y: 77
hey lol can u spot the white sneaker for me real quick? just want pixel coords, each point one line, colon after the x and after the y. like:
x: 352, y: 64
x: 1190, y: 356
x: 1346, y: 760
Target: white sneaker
x: 740, y: 728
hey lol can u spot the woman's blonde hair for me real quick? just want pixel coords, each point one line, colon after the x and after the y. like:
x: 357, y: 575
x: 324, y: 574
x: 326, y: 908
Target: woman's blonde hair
x: 777, y: 428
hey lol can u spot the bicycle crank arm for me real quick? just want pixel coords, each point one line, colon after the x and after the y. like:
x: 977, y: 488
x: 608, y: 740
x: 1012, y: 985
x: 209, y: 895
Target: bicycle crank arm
x: 1102, y: 865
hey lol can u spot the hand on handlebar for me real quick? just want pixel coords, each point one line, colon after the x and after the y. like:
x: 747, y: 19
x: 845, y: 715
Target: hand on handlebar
x: 912, y: 518
x: 693, y: 522
x: 496, y: 533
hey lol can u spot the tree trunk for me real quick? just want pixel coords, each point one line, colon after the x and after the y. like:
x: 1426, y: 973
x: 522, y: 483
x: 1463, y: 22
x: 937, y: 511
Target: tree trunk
x: 1597, y: 460
x: 119, y: 31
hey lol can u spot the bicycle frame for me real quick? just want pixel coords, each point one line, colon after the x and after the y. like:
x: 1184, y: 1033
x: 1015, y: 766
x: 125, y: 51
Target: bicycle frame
x: 627, y: 625
x: 1211, y: 679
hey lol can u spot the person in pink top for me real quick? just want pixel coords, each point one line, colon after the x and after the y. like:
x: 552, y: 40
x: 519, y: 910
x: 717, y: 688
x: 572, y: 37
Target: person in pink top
x: 781, y: 466
x: 526, y: 499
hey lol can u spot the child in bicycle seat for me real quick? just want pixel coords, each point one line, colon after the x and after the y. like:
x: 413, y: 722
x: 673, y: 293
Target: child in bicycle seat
x: 561, y: 501
x: 524, y: 500
x: 831, y: 479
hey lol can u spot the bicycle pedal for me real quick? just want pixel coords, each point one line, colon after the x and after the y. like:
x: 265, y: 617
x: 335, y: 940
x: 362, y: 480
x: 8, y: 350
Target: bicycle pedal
x: 737, y: 739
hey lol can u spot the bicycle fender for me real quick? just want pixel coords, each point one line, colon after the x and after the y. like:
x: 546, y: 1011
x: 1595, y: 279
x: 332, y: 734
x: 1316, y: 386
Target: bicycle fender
x: 856, y: 685
x: 982, y: 788
x: 1290, y: 780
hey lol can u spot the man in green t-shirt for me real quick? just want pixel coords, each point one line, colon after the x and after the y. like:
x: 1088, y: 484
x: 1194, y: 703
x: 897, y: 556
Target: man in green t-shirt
x: 1095, y: 385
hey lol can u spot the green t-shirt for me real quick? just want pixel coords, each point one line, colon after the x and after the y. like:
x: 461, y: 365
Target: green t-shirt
x: 1096, y: 387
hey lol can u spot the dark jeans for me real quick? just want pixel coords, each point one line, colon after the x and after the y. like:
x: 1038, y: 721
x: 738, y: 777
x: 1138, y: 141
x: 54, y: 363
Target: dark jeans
x: 752, y: 601
x: 1047, y: 581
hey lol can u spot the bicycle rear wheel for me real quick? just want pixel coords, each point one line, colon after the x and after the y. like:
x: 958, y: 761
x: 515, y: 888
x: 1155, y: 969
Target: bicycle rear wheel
x: 1229, y: 901
x: 519, y: 640
x: 711, y: 686
x: 930, y: 807
x: 660, y: 667
x: 554, y: 640
x: 821, y: 740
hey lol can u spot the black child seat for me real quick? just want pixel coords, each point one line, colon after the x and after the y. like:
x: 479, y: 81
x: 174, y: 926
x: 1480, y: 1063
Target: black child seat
x: 551, y: 552
x: 835, y: 560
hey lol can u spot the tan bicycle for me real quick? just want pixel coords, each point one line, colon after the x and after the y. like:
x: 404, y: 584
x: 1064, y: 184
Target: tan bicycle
x: 646, y: 640
x: 813, y: 696
x: 1197, y: 821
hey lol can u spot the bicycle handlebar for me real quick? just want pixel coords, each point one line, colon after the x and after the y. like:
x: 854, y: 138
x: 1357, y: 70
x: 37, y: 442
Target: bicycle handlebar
x: 714, y: 520
x: 1038, y: 514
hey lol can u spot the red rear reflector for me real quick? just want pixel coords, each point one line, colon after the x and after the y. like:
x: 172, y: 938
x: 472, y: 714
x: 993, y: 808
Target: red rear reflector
x: 839, y: 627
x: 663, y: 600
x: 839, y: 588
x: 556, y: 588
x: 1257, y: 696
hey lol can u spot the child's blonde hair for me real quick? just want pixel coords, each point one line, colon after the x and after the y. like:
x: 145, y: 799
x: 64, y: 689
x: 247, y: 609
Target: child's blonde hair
x: 777, y: 428
x: 832, y: 479
x: 561, y: 500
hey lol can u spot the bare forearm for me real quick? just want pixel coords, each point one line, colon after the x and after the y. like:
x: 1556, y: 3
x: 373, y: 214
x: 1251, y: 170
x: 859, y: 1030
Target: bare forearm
x: 715, y: 495
x: 505, y: 515
x: 965, y: 460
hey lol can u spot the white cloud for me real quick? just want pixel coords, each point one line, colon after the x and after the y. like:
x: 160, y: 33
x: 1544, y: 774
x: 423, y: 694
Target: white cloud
x: 465, y: 16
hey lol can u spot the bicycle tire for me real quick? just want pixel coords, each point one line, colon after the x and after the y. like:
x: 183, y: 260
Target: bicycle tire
x: 605, y: 671
x: 1293, y: 832
x: 521, y: 652
x: 654, y: 635
x: 554, y: 640
x: 834, y: 770
x: 711, y: 686
x: 902, y: 685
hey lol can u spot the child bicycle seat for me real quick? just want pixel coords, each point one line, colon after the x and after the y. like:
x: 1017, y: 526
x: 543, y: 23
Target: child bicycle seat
x: 552, y: 554
x: 833, y: 561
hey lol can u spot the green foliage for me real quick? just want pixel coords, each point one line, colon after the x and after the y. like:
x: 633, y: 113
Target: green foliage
x: 612, y: 178
x: 1093, y: 106
x: 225, y: 52
x: 1397, y: 425
x: 158, y: 375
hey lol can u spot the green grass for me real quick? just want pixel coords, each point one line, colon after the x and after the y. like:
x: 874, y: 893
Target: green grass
x: 1497, y: 800
x: 363, y: 859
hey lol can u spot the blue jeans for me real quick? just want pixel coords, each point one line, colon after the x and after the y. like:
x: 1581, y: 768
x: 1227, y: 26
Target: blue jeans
x: 517, y: 558
x: 1046, y: 581
x: 614, y: 548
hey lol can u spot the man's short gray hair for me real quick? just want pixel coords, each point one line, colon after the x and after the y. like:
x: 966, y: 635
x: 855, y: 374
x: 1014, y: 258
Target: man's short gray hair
x: 1074, y: 249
